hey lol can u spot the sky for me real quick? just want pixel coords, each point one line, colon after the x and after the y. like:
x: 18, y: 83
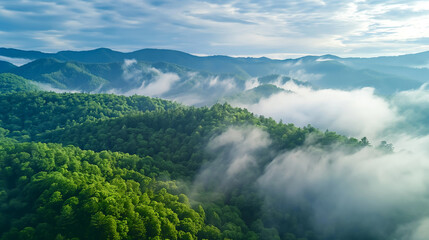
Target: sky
x: 275, y: 29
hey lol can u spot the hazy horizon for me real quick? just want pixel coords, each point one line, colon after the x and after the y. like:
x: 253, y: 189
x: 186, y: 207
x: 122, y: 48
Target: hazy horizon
x: 273, y: 56
x: 240, y: 28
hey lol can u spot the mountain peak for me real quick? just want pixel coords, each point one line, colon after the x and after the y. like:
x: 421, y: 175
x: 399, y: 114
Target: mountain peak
x: 330, y: 56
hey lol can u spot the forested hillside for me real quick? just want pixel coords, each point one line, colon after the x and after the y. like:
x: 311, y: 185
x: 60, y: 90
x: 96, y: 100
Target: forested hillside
x: 54, y: 192
x: 11, y: 83
x: 149, y: 169
x: 177, y: 138
x: 26, y: 114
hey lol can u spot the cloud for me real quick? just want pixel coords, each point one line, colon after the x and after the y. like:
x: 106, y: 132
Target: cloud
x: 368, y: 192
x: 15, y: 61
x: 303, y: 76
x: 412, y: 106
x: 228, y: 83
x: 156, y: 87
x: 202, y: 89
x: 296, y: 70
x: 190, y: 99
x: 244, y: 28
x: 131, y: 71
x: 251, y: 83
x: 354, y: 113
x: 421, y: 230
x: 48, y: 87
x: 152, y: 81
x: 413, y: 97
x: 238, y: 154
x: 190, y: 88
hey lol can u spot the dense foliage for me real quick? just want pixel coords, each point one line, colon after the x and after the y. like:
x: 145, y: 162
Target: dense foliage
x: 177, y: 138
x: 25, y: 114
x: 51, y: 192
x: 48, y: 191
x: 11, y: 83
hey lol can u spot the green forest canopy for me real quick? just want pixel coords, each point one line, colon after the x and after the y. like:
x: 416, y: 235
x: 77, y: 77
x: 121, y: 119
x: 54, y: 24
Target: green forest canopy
x: 134, y: 178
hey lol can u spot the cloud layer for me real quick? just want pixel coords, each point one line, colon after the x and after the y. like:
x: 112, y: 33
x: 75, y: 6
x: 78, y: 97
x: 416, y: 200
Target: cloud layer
x: 187, y: 87
x: 237, y: 158
x: 354, y: 113
x: 367, y: 193
x: 159, y: 84
x: 242, y: 27
x: 371, y: 193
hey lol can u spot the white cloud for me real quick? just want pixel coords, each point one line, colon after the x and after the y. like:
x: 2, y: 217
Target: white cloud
x: 303, y: 76
x: 251, y: 83
x: 363, y: 191
x: 55, y: 39
x: 15, y: 61
x: 161, y: 84
x: 413, y: 97
x: 367, y: 192
x: 412, y: 106
x: 190, y: 88
x: 228, y: 83
x: 48, y: 87
x: 236, y: 157
x: 422, y: 230
x: 131, y: 71
x: 189, y: 99
x: 355, y: 113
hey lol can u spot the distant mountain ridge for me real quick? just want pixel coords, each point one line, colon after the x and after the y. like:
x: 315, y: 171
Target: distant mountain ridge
x: 181, y: 76
x: 106, y: 55
x: 130, y: 77
x: 62, y: 75
x: 216, y: 64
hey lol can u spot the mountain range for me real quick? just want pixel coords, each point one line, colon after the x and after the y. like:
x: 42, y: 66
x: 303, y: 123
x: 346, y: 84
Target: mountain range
x: 197, y: 80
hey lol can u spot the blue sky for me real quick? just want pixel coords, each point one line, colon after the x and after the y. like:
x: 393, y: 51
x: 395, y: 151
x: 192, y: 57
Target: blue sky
x: 276, y: 29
